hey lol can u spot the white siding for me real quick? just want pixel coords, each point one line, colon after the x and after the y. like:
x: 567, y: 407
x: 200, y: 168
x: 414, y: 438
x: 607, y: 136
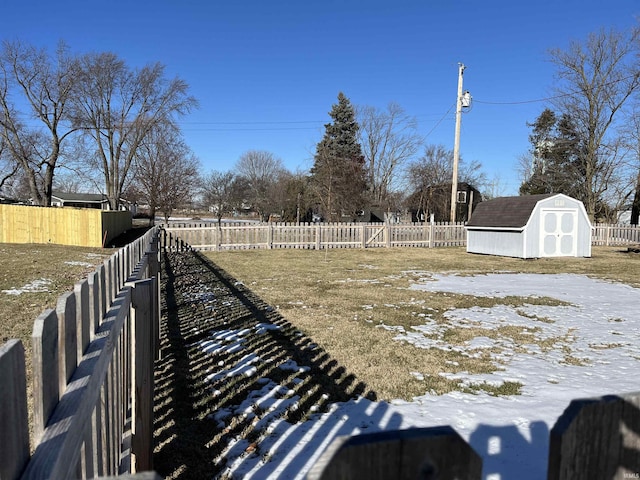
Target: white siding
x: 495, y: 242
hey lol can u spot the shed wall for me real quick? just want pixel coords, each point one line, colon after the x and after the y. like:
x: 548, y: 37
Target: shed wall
x: 495, y: 242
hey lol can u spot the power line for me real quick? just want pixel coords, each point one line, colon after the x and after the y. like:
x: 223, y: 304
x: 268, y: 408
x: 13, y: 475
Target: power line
x: 441, y: 120
x: 634, y: 76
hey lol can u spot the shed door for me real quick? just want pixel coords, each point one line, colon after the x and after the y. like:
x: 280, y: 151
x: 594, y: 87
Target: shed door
x: 558, y: 232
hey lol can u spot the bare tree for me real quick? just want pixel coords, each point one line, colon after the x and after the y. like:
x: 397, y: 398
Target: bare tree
x: 261, y: 171
x: 596, y: 78
x: 8, y: 168
x: 218, y: 192
x: 44, y: 86
x: 429, y: 179
x: 167, y: 173
x: 389, y: 139
x: 118, y: 108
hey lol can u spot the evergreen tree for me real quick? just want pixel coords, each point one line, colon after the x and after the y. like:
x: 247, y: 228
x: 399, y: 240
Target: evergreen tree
x: 338, y: 176
x: 555, y: 148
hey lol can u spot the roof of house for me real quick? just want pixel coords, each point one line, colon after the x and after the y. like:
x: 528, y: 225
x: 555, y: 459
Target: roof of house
x: 81, y: 197
x: 507, y: 212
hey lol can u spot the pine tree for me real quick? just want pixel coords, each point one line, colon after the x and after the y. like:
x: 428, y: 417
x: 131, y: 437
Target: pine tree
x: 555, y: 149
x: 338, y: 176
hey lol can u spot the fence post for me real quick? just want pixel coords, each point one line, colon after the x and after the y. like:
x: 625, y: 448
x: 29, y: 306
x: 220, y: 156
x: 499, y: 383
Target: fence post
x: 142, y: 315
x: 14, y: 429
x: 431, y: 221
x: 318, y: 239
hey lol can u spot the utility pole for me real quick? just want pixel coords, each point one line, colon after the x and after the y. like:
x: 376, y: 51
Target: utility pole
x: 456, y: 145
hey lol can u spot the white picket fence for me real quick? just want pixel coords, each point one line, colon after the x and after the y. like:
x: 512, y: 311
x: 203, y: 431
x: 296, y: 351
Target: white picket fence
x: 231, y: 236
x: 242, y: 236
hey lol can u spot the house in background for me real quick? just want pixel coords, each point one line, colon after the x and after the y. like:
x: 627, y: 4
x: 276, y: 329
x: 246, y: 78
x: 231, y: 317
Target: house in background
x: 530, y: 226
x: 87, y: 200
x: 82, y: 200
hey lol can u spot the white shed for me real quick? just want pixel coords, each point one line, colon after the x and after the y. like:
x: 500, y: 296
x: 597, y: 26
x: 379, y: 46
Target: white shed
x: 531, y: 226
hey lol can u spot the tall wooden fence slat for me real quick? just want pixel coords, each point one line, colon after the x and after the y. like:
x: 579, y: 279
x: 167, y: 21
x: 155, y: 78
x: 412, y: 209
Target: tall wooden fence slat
x: 437, y: 452
x: 597, y: 438
x: 14, y: 431
x: 46, y: 371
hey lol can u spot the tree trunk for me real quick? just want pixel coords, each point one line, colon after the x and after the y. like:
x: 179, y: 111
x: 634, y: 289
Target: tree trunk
x: 635, y: 206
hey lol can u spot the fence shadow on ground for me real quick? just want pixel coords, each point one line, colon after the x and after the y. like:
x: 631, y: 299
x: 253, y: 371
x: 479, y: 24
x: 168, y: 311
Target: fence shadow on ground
x: 506, y: 453
x: 232, y: 369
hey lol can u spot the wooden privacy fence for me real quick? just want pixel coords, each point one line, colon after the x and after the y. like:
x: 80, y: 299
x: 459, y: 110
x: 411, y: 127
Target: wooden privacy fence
x: 232, y: 236
x: 239, y: 236
x: 92, y: 372
x: 85, y: 227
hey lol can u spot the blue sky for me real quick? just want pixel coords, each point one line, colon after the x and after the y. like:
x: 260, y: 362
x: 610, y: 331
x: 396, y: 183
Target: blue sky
x: 266, y: 73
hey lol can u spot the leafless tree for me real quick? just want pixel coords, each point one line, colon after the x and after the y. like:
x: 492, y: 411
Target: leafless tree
x: 429, y: 178
x: 389, y: 139
x: 595, y: 80
x: 118, y: 107
x: 218, y: 192
x: 167, y: 172
x: 261, y: 171
x: 43, y: 86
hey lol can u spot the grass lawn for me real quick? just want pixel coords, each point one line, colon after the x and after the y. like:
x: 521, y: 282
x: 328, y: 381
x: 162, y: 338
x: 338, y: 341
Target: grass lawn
x: 352, y: 302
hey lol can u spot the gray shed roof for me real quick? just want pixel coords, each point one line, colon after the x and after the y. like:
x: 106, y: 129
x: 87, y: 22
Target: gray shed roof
x: 507, y: 212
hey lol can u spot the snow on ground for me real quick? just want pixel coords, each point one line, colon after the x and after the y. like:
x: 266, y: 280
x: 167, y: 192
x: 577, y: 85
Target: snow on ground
x: 598, y: 325
x: 36, y: 286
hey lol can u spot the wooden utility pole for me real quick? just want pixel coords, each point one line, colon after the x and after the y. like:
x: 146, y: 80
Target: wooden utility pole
x: 456, y: 145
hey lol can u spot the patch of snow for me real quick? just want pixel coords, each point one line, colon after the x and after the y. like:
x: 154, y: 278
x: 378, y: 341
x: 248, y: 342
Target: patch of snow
x: 510, y: 433
x: 40, y: 285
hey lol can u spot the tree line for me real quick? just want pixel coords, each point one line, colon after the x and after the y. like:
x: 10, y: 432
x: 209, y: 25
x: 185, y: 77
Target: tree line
x: 68, y: 121
x: 586, y: 142
x: 69, y: 118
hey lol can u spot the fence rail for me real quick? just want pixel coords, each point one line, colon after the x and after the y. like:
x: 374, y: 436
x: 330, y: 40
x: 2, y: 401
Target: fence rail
x: 92, y: 376
x: 243, y: 236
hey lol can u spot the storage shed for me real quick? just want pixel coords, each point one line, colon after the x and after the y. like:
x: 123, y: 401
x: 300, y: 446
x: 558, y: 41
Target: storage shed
x: 531, y: 226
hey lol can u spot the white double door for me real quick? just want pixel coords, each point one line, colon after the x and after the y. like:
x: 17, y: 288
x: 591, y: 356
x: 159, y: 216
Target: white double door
x: 558, y: 233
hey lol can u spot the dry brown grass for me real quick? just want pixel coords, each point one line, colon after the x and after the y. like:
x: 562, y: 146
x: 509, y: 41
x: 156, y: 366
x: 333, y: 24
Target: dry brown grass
x: 343, y: 299
x: 21, y: 265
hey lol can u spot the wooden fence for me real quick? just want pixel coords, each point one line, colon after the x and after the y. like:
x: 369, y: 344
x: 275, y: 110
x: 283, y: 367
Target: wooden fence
x: 92, y: 372
x: 615, y: 235
x: 231, y: 236
x: 239, y: 236
x: 594, y: 439
x: 84, y: 227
